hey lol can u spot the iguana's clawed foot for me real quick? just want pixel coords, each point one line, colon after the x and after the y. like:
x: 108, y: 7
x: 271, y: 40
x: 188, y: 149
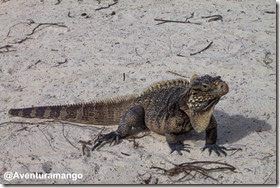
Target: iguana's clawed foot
x: 214, y: 147
x: 179, y: 147
x: 106, y: 138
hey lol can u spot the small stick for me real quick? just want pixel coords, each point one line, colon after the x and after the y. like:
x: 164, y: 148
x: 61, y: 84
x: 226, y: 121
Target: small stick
x: 85, y: 149
x: 267, y: 60
x: 7, y: 48
x: 270, y: 12
x: 236, y: 150
x: 47, y: 139
x: 180, y: 55
x: 176, y: 74
x: 69, y: 15
x: 126, y: 154
x: 196, y: 167
x: 67, y: 138
x: 26, y: 123
x: 24, y: 128
x: 202, y: 49
x: 145, y: 181
x: 213, y: 18
x: 58, y: 2
x: 174, y: 21
x: 115, y: 2
x: 123, y: 76
x: 133, y: 139
x: 28, y: 23
x: 46, y: 24
x: 22, y: 40
x: 61, y: 63
x: 34, y: 64
x: 192, y: 14
x: 85, y: 142
x: 269, y: 176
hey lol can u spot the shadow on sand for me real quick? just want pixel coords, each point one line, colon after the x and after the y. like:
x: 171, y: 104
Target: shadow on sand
x: 233, y: 128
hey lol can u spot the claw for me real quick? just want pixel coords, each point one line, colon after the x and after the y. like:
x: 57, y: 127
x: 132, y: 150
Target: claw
x: 217, y: 149
x: 106, y: 138
x: 223, y: 148
x: 179, y: 147
x: 223, y: 152
x: 217, y: 152
x: 204, y: 148
x: 210, y: 151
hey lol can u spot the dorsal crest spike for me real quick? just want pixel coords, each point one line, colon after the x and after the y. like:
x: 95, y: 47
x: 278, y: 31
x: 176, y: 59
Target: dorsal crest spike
x: 112, y: 100
x: 166, y: 84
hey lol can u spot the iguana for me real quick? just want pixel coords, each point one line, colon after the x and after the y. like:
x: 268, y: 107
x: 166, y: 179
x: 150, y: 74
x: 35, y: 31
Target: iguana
x: 170, y: 108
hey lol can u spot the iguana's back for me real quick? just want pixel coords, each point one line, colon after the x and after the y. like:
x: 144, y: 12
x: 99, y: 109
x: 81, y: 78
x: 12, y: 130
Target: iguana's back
x: 157, y: 101
x: 104, y: 112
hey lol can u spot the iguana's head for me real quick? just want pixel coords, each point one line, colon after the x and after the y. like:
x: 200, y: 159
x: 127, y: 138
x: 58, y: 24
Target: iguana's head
x: 199, y: 100
x: 204, y: 92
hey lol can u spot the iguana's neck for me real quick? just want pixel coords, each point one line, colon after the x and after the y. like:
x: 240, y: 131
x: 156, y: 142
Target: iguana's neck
x: 199, y: 119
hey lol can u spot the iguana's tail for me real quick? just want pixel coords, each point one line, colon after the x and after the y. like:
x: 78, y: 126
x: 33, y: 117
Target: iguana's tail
x: 104, y: 112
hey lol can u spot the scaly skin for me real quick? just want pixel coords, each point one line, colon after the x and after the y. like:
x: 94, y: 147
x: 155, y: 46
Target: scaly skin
x: 169, y: 108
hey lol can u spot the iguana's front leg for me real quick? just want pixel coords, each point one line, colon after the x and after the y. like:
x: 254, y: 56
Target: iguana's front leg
x: 211, y: 138
x: 174, y: 127
x: 176, y: 144
x: 134, y: 117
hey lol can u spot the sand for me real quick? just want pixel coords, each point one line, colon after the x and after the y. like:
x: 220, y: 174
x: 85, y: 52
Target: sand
x: 80, y: 54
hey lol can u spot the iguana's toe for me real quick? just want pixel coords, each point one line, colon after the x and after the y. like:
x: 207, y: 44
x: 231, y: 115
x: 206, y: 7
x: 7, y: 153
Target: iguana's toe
x: 179, y: 147
x: 106, y: 138
x: 214, y: 147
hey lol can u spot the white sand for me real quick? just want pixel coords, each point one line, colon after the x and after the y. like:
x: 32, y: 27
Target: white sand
x: 100, y: 48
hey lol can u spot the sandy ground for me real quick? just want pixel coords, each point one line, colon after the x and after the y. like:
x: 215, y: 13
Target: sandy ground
x: 85, y: 56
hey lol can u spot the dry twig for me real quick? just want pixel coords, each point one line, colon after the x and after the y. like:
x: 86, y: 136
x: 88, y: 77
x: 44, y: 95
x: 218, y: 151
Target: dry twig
x: 22, y: 129
x: 191, y: 16
x: 175, y: 73
x: 7, y: 48
x: 133, y: 139
x: 46, y: 138
x: 191, y: 169
x: 180, y: 55
x: 22, y: 40
x: 162, y: 21
x: 269, y: 176
x: 30, y: 66
x: 213, y: 18
x: 61, y: 63
x: 25, y: 123
x: 58, y: 2
x: 85, y: 149
x: 269, y: 12
x: 234, y: 149
x: 126, y: 154
x: 35, y: 29
x: 67, y: 138
x: 202, y: 49
x: 123, y: 76
x: 115, y: 2
x: 69, y: 15
x: 28, y: 23
x: 144, y: 181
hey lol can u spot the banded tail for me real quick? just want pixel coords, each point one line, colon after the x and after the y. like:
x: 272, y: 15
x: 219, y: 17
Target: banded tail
x: 106, y: 112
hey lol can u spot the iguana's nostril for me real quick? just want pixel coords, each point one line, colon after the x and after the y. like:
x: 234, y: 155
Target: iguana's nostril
x: 223, y: 87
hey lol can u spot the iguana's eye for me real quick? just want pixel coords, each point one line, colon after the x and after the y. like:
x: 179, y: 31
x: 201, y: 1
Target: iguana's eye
x: 205, y: 87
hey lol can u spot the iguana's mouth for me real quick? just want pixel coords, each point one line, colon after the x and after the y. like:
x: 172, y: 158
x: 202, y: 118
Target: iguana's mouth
x: 205, y: 105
